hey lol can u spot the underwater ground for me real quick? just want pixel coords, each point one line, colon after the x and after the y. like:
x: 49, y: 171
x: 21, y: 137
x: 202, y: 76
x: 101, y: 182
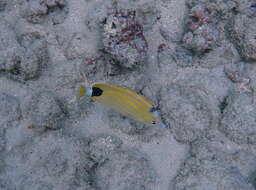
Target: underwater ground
x: 194, y: 59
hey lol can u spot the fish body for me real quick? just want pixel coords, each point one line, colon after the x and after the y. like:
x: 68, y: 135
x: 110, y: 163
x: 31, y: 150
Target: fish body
x: 124, y: 101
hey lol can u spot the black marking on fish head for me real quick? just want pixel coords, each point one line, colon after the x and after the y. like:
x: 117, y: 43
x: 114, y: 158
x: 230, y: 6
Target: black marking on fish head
x: 96, y: 91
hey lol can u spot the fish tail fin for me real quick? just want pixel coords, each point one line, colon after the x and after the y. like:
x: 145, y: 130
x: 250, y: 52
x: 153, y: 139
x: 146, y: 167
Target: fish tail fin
x: 157, y: 115
x: 162, y: 125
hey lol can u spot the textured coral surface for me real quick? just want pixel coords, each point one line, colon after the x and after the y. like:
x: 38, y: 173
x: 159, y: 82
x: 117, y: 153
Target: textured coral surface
x: 194, y: 59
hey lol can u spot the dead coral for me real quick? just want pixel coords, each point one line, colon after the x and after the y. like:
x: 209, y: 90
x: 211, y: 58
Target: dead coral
x: 123, y: 38
x: 38, y: 11
x: 36, y: 55
x: 53, y: 161
x: 188, y: 111
x: 242, y: 32
x: 125, y: 169
x: 203, y: 32
x: 239, y: 118
x: 23, y: 54
x: 212, y: 162
x: 98, y: 67
x: 45, y: 111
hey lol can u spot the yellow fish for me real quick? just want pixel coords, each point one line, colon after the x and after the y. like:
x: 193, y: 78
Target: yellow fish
x: 124, y: 101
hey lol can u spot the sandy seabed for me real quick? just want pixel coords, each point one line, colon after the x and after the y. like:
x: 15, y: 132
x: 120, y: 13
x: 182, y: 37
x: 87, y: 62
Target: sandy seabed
x: 194, y: 59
